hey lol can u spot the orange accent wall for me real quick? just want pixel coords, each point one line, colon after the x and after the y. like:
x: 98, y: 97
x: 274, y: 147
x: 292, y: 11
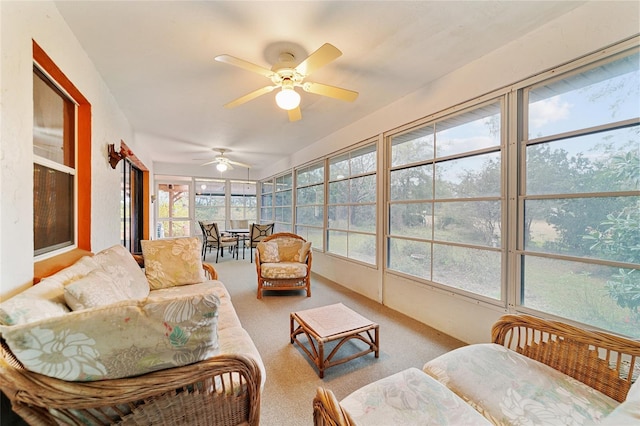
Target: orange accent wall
x: 83, y: 166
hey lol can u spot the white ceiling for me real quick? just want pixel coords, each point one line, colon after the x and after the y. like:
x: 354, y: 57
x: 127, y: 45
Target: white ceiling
x: 157, y: 59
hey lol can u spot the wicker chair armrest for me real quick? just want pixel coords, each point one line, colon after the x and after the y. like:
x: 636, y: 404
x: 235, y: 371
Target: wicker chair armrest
x: 603, y: 361
x: 327, y: 410
x: 209, y: 271
x: 225, y: 385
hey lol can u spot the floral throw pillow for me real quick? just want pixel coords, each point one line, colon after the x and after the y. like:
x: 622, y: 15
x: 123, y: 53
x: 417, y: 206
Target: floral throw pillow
x: 95, y: 289
x: 269, y: 252
x: 173, y: 262
x: 124, y: 270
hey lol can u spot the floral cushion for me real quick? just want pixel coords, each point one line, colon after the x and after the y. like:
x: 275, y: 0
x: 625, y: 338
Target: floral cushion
x: 45, y: 299
x: 123, y: 339
x: 289, y: 249
x: 268, y: 252
x: 173, y: 262
x: 509, y: 388
x: 283, y: 270
x: 118, y: 262
x: 409, y: 397
x: 41, y: 301
x: 95, y: 289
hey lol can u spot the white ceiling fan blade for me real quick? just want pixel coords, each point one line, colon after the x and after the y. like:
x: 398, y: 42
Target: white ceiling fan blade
x: 209, y: 162
x: 239, y: 164
x: 232, y: 60
x: 295, y: 114
x: 330, y: 91
x: 321, y: 57
x: 249, y: 96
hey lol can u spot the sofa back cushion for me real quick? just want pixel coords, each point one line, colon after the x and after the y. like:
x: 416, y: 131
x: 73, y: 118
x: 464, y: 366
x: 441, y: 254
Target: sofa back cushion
x: 95, y: 289
x: 173, y: 262
x: 124, y: 271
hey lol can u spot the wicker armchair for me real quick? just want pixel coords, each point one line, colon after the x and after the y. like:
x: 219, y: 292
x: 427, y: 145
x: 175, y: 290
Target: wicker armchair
x: 291, y: 268
x: 222, y: 390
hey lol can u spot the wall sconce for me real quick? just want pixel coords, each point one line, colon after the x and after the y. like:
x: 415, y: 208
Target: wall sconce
x: 114, y: 156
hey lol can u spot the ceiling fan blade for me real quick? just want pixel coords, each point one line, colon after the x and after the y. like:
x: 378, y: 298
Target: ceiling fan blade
x: 239, y: 164
x: 321, y: 57
x: 330, y: 91
x: 295, y: 114
x: 249, y: 96
x: 232, y: 60
x: 209, y: 162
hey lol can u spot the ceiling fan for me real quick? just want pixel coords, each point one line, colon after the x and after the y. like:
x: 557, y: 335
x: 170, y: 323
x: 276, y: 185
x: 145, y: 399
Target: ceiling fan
x: 286, y: 75
x: 223, y: 163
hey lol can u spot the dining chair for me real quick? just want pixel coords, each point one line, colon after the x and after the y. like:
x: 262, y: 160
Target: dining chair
x: 212, y: 239
x: 257, y: 233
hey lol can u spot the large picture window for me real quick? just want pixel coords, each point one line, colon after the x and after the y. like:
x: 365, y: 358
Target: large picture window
x: 54, y: 173
x: 243, y: 201
x: 445, y: 202
x: 580, y: 197
x: 351, y: 208
x: 210, y: 202
x: 282, y: 203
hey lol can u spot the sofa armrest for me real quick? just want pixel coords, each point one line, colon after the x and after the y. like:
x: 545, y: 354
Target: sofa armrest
x: 327, y: 410
x: 177, y: 395
x: 603, y: 361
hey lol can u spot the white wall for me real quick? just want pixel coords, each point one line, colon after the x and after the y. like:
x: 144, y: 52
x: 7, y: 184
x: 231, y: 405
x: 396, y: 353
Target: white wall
x: 20, y: 22
x: 584, y: 30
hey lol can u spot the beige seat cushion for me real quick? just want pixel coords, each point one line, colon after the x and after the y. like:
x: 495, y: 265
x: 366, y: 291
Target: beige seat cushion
x: 283, y: 270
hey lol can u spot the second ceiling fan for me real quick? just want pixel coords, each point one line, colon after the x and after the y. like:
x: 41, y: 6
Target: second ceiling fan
x: 286, y: 75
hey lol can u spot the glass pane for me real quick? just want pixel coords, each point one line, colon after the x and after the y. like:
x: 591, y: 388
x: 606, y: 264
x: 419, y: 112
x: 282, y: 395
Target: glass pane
x: 471, y: 222
x: 602, y: 95
x: 413, y: 183
x: 411, y: 220
x: 283, y: 198
x: 339, y: 167
x: 363, y: 189
x: 362, y: 248
x: 476, y: 176
x: 363, y: 218
x: 267, y: 200
x: 473, y: 270
x: 470, y: 131
x: 410, y: 257
x: 210, y: 187
x: 338, y: 217
x: 48, y: 121
x: 600, y: 296
x: 53, y: 209
x: 313, y: 174
x: 337, y: 242
x: 284, y: 182
x: 339, y: 192
x: 412, y: 147
x: 603, y: 228
x: 266, y: 214
x: 173, y: 201
x: 311, y: 215
x: 174, y: 228
x: 605, y: 161
x: 310, y: 195
x: 363, y: 160
x: 267, y: 187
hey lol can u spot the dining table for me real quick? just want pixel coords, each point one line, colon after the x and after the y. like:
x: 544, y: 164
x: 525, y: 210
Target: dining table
x: 242, y: 234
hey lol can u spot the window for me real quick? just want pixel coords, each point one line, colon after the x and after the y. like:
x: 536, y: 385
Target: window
x: 580, y: 248
x: 173, y: 210
x: 351, y: 208
x: 266, y: 202
x: 54, y: 173
x: 56, y: 203
x: 243, y: 201
x: 445, y: 206
x: 310, y: 204
x: 210, y: 202
x: 283, y: 203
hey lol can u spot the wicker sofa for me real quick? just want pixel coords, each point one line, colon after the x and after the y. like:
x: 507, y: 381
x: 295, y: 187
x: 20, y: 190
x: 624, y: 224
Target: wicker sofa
x: 177, y: 355
x: 535, y: 372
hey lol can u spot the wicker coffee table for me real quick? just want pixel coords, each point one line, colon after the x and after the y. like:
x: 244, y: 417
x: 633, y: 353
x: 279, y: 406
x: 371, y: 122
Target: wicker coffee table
x: 331, y: 323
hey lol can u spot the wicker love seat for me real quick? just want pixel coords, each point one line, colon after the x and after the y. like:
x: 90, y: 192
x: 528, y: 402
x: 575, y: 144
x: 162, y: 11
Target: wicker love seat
x: 536, y: 372
x: 91, y: 345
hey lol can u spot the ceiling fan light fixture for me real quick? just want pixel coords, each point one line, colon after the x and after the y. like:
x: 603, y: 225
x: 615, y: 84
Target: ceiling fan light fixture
x: 288, y: 99
x: 222, y: 167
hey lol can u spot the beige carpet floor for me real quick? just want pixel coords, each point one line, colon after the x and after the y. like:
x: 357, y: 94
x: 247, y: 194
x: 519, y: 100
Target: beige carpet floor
x: 292, y: 379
